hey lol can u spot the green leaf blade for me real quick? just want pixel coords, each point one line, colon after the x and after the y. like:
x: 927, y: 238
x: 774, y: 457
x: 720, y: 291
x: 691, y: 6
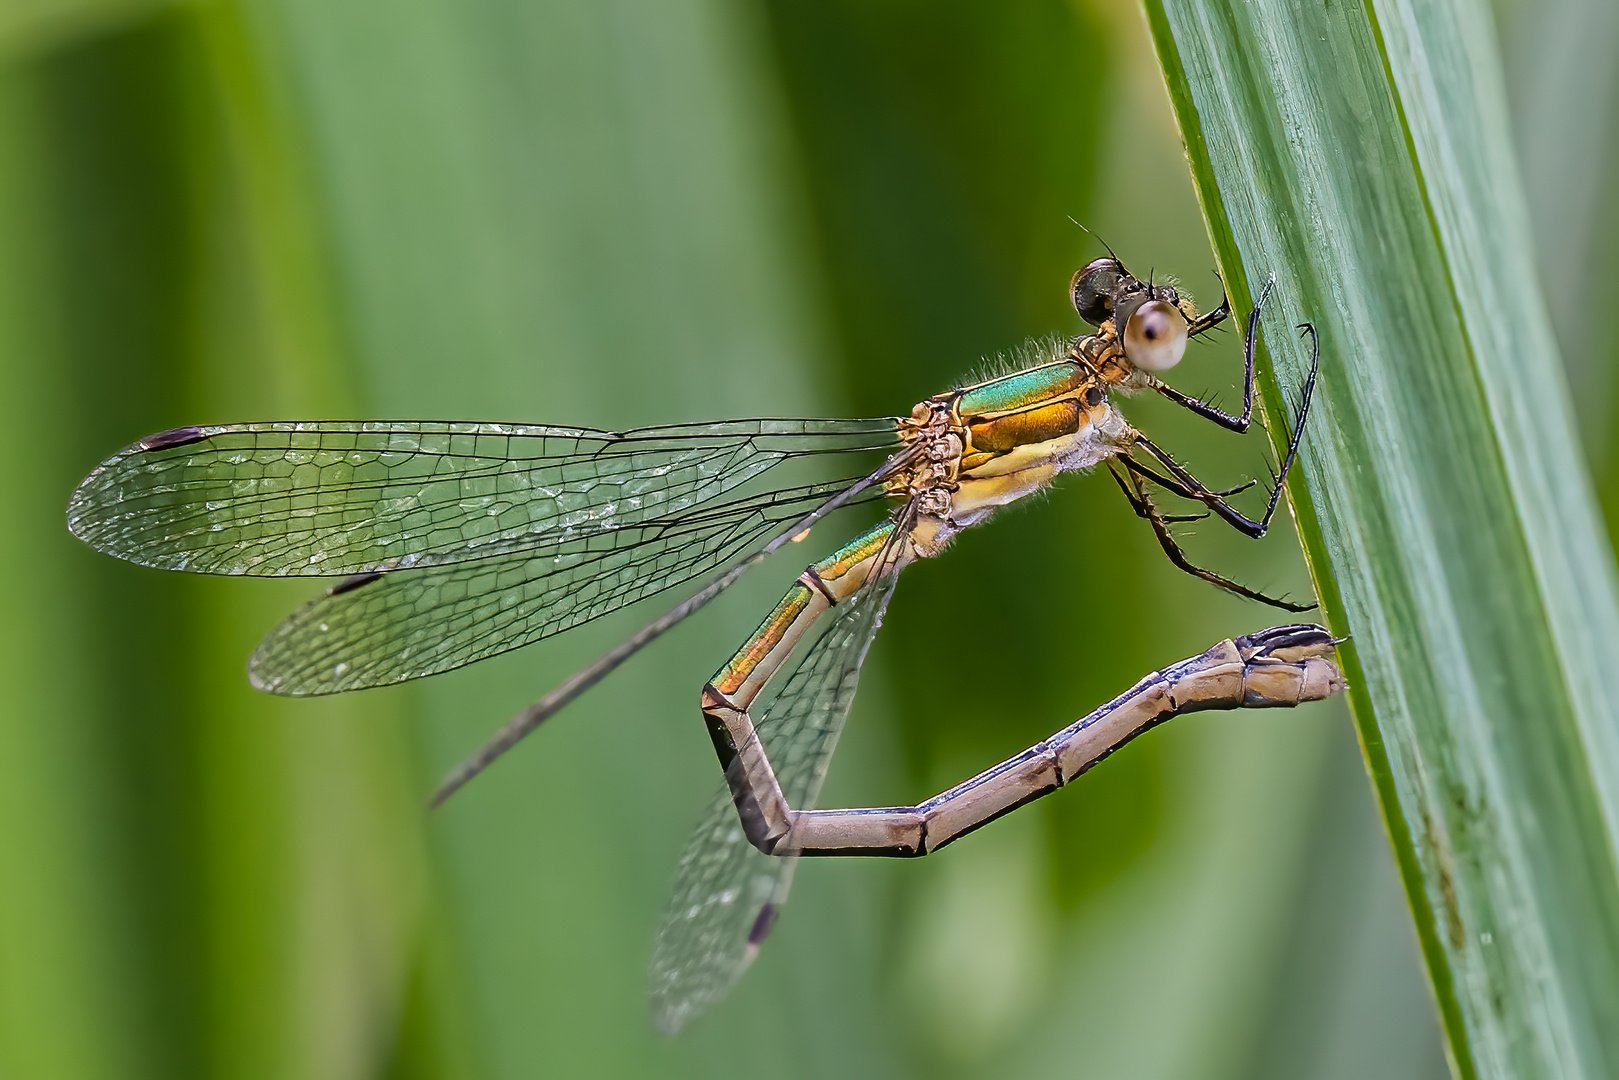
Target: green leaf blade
x: 1448, y: 522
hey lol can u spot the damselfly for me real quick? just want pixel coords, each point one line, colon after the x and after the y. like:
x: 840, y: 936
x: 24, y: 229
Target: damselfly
x: 464, y: 540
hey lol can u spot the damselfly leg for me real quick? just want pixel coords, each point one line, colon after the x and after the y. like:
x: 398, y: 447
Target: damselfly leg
x: 1205, y: 409
x: 1190, y: 487
x: 1181, y: 483
x: 1144, y: 508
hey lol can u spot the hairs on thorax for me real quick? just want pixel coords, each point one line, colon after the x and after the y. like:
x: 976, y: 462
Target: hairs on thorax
x: 1032, y: 352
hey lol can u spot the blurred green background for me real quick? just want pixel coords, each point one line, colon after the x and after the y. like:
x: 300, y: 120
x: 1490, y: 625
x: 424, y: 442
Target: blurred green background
x: 614, y: 213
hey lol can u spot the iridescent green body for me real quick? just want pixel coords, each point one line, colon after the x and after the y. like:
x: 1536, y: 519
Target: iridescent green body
x: 1021, y: 389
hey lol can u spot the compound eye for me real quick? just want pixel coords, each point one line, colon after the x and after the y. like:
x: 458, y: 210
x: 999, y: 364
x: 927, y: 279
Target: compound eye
x: 1092, y: 290
x: 1155, y: 336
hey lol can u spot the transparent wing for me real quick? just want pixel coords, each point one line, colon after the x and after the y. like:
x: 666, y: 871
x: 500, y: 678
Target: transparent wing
x: 383, y: 628
x: 726, y: 893
x: 333, y: 498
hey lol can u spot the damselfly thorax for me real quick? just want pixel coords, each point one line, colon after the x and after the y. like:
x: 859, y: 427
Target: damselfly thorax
x: 982, y: 447
x: 977, y: 448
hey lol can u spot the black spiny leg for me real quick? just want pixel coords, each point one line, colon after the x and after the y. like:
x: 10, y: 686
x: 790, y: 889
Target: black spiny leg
x: 1210, y: 319
x: 1239, y: 424
x: 1181, y: 489
x: 1142, y: 504
x: 1191, y: 487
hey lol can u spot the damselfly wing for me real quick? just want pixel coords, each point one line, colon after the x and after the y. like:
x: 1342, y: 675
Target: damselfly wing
x: 461, y: 541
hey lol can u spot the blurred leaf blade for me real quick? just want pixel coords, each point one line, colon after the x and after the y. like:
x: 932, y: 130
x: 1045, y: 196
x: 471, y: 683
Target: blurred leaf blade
x: 32, y: 27
x: 240, y: 884
x: 58, y: 947
x: 1563, y: 85
x: 1449, y: 522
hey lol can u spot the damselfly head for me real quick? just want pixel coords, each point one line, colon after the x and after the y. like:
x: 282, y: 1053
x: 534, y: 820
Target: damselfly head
x: 1151, y: 320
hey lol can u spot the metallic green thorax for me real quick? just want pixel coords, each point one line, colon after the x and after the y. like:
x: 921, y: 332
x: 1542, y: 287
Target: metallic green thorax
x: 1022, y: 388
